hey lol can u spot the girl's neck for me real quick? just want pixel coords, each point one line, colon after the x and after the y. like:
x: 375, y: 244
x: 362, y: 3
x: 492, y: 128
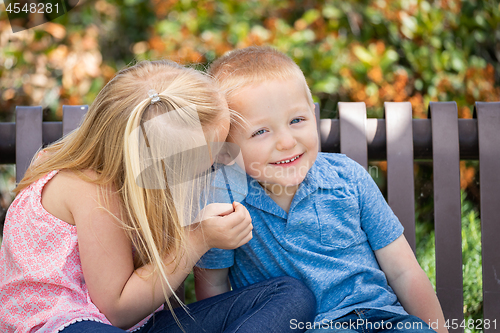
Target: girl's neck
x: 282, y: 195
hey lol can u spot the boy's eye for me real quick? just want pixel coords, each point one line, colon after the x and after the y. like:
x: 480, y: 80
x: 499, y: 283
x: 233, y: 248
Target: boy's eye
x: 296, y: 120
x: 259, y: 132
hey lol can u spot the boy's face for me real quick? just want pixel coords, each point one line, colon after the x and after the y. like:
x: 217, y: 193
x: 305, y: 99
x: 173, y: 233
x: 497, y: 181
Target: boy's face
x: 279, y: 141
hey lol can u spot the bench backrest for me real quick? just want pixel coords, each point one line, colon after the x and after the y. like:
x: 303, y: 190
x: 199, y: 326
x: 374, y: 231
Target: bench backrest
x: 400, y: 140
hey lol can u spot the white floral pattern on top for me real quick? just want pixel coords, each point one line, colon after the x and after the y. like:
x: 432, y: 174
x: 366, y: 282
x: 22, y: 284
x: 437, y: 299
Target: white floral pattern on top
x: 42, y: 288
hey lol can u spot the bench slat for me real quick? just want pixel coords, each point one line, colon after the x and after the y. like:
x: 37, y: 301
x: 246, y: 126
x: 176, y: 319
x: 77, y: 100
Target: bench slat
x: 72, y: 117
x: 28, y: 136
x: 400, y: 175
x: 447, y: 210
x: 488, y: 121
x: 352, y: 118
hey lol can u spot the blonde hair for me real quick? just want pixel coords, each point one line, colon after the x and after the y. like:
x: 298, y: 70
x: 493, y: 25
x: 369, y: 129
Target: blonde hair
x: 253, y: 65
x: 107, y: 144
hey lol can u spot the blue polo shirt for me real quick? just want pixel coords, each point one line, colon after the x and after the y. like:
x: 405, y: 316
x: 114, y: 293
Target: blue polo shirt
x: 337, y: 219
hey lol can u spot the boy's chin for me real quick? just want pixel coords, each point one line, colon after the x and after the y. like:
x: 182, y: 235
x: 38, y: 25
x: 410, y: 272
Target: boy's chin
x: 284, y: 183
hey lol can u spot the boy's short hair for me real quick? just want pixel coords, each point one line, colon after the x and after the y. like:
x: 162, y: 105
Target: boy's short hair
x: 254, y: 65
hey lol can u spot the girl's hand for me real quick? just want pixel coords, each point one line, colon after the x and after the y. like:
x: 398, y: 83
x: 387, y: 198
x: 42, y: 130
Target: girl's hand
x: 225, y: 226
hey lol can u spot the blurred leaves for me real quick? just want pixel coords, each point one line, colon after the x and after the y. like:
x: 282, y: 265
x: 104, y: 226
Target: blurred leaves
x: 371, y: 51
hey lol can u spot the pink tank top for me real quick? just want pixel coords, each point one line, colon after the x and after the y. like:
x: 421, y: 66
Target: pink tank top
x: 42, y: 288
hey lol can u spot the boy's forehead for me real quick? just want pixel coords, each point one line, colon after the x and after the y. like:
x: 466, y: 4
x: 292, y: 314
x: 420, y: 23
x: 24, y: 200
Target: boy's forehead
x: 264, y: 99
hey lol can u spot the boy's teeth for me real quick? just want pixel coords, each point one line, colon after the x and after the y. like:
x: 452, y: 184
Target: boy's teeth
x: 288, y: 161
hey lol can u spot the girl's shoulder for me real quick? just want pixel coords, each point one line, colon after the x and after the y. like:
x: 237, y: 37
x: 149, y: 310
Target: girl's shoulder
x: 67, y: 191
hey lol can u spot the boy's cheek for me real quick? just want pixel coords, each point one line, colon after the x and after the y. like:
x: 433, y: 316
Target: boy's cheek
x: 254, y: 169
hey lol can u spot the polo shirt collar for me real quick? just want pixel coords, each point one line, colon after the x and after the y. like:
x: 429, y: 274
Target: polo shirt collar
x: 321, y: 175
x: 258, y: 198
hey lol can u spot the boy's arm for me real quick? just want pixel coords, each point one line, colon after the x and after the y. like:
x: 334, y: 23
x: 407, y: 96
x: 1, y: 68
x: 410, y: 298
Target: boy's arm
x: 210, y: 282
x: 410, y: 283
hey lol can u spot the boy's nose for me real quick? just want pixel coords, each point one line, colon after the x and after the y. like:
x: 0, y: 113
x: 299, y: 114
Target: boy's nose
x: 286, y: 141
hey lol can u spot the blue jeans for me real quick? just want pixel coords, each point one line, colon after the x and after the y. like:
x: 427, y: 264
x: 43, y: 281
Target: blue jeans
x: 267, y: 306
x: 374, y: 321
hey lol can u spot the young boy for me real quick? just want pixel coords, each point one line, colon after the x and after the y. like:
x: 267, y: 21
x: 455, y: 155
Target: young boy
x: 317, y: 217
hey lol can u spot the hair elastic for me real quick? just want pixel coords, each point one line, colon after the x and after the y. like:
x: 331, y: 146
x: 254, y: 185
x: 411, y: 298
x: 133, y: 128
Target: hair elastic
x: 153, y: 95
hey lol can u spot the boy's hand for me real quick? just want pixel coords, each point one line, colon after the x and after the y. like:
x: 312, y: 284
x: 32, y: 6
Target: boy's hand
x: 226, y: 226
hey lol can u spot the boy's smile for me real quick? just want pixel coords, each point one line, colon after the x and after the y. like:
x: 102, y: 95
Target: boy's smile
x: 278, y: 140
x: 288, y: 161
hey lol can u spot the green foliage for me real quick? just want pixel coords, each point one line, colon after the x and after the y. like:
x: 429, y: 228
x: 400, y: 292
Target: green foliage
x: 471, y: 259
x: 189, y: 288
x: 425, y: 250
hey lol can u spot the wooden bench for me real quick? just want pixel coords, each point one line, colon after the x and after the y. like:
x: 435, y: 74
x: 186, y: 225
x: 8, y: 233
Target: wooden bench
x: 398, y: 139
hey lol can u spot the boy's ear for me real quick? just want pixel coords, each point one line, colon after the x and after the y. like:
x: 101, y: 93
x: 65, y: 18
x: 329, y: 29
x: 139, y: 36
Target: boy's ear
x: 228, y: 153
x: 225, y: 158
x: 313, y: 110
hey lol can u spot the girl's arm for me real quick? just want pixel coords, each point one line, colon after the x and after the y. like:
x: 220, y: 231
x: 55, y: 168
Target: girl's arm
x: 210, y: 282
x: 410, y: 283
x: 124, y: 295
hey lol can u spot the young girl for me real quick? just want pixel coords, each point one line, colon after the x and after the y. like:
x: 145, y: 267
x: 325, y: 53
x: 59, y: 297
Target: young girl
x: 101, y: 231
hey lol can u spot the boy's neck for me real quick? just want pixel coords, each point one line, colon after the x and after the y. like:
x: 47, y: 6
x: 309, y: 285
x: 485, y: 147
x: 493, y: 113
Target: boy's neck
x: 283, y: 196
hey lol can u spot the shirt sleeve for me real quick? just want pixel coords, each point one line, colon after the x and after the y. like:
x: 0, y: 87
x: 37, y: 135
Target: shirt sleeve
x: 216, y: 259
x: 378, y: 221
